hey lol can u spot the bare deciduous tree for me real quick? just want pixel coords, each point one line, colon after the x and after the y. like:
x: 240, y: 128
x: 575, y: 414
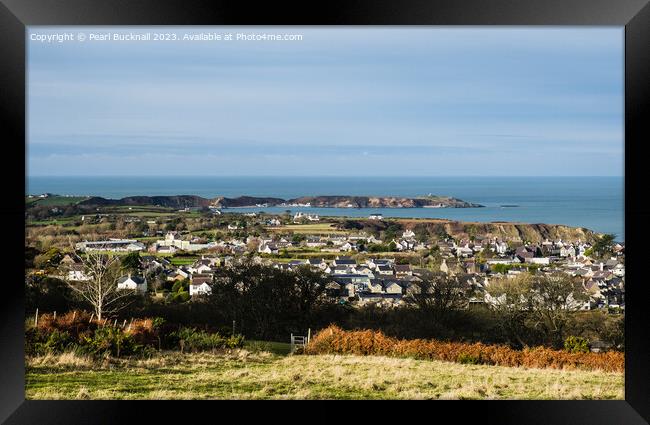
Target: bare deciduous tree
x: 536, y: 307
x: 439, y: 294
x: 509, y: 298
x: 555, y: 297
x: 100, y: 289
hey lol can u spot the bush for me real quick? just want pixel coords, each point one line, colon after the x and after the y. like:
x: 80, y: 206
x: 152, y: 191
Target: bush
x: 74, y: 331
x: 40, y: 343
x: 468, y: 359
x: 101, y: 341
x: 191, y: 339
x: 110, y: 341
x: 179, y: 297
x: 334, y: 340
x: 576, y: 344
x: 181, y: 285
x: 57, y: 341
x: 235, y: 341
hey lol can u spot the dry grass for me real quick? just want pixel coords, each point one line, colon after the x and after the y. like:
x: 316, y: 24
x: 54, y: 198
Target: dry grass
x: 63, y: 361
x: 334, y: 340
x: 240, y: 374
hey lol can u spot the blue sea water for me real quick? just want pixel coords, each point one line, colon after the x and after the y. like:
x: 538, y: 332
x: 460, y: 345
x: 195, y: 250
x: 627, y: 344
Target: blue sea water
x: 592, y: 202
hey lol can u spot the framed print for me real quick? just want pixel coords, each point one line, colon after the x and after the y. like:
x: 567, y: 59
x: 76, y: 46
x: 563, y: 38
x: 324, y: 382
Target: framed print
x: 423, y: 201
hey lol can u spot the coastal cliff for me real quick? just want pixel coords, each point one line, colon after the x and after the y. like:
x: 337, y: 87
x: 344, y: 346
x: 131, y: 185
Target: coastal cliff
x: 191, y: 201
x: 382, y: 202
x: 515, y: 232
x: 506, y: 231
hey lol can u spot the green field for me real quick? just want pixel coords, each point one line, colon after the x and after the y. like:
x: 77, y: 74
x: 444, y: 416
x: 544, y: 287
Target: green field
x: 182, y: 261
x: 56, y: 200
x: 55, y: 222
x: 255, y: 374
x: 312, y: 229
x: 279, y: 348
x: 135, y: 208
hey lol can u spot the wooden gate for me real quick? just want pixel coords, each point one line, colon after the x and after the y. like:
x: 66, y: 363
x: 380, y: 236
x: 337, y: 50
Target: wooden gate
x: 300, y: 341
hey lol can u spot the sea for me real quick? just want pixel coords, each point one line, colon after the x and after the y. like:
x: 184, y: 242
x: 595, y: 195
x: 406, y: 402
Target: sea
x: 596, y: 203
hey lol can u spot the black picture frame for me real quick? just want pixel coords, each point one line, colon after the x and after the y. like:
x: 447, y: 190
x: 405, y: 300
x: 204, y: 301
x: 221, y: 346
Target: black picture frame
x: 634, y: 15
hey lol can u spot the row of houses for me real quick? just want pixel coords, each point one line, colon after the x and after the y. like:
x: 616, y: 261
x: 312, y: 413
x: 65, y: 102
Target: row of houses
x: 380, y: 281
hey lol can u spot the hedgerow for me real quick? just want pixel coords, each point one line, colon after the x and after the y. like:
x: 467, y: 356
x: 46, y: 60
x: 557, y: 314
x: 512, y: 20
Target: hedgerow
x: 77, y: 331
x: 334, y: 340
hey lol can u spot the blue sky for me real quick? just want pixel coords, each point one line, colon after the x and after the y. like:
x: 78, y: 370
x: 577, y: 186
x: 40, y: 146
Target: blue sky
x: 354, y: 101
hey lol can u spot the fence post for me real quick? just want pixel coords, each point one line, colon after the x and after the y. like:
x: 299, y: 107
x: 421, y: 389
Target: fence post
x: 36, y: 318
x: 308, y: 335
x: 124, y: 324
x: 74, y: 314
x: 54, y: 318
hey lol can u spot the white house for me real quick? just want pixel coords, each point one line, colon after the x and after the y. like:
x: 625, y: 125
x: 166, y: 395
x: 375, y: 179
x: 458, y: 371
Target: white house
x: 318, y: 263
x: 200, y: 288
x: 132, y: 282
x: 408, y: 234
x: 500, y: 248
x: 619, y: 270
x: 311, y: 217
x: 567, y: 251
x: 404, y: 244
x: 385, y: 270
x: 464, y: 251
x: 538, y: 260
x: 375, y: 262
x: 349, y: 246
x: 268, y: 248
x: 366, y: 271
x: 201, y: 268
x: 375, y: 217
x: 375, y: 286
x: 372, y: 239
x: 77, y: 273
x: 392, y: 288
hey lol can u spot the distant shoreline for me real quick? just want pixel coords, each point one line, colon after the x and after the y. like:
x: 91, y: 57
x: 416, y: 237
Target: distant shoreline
x: 595, y: 203
x: 328, y: 201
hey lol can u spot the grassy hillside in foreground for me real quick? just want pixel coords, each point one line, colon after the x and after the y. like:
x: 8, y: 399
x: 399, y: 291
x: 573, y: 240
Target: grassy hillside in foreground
x: 243, y: 374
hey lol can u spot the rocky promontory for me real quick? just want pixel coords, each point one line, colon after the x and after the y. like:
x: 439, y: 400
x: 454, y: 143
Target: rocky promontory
x: 192, y: 201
